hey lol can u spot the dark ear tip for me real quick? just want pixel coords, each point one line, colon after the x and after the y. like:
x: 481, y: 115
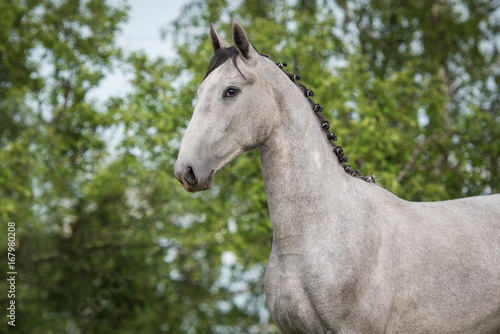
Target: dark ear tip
x: 236, y: 25
x: 238, y: 29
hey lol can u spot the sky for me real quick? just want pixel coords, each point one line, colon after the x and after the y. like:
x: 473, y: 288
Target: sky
x: 142, y: 31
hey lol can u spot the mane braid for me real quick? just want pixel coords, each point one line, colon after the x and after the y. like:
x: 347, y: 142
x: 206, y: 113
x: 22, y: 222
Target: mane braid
x: 325, y: 125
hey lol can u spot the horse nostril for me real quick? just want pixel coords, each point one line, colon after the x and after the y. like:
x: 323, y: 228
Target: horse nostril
x: 190, y: 177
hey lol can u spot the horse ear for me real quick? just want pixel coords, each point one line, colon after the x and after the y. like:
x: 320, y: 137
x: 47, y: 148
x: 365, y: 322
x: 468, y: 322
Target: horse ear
x: 217, y: 41
x: 241, y: 42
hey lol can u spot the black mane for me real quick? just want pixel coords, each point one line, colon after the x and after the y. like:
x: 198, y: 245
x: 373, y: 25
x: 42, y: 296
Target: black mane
x: 220, y: 57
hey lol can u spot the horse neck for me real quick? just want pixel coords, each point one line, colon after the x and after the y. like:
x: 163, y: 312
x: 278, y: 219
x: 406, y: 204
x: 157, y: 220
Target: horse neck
x: 306, y: 187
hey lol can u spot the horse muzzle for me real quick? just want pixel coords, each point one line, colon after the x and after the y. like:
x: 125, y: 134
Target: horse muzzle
x: 193, y: 180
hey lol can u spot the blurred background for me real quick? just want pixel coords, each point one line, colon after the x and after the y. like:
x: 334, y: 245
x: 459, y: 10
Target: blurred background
x: 95, y: 96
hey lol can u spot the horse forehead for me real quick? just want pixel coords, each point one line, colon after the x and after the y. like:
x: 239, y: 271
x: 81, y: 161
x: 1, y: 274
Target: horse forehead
x: 221, y: 75
x: 228, y: 74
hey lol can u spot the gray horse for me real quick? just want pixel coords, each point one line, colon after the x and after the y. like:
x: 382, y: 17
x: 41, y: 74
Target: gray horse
x: 386, y: 266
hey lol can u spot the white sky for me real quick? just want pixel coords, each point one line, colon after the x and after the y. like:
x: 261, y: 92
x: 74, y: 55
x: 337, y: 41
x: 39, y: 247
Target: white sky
x: 142, y: 31
x: 146, y: 18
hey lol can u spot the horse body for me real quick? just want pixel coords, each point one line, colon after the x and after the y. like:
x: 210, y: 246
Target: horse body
x: 347, y: 256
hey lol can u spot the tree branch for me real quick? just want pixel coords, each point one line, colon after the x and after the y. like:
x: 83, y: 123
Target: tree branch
x: 414, y: 155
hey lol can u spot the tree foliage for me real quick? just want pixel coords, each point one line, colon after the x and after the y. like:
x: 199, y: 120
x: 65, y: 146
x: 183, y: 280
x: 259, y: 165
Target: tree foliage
x: 108, y: 241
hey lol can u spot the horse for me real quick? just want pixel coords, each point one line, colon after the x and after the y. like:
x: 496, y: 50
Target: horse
x: 347, y: 256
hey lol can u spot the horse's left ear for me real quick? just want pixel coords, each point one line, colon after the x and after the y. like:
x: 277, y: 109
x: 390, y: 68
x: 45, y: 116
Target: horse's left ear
x: 241, y: 42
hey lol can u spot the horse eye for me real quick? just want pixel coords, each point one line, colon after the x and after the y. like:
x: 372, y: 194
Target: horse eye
x: 231, y: 92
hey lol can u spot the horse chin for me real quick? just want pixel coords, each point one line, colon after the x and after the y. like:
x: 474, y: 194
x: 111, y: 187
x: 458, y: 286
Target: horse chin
x: 199, y: 186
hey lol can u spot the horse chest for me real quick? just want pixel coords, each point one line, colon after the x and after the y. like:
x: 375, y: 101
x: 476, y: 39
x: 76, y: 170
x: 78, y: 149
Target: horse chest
x: 308, y: 294
x: 293, y: 308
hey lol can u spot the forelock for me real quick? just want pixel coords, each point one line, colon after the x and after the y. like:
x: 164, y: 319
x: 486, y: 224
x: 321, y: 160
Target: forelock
x: 220, y: 57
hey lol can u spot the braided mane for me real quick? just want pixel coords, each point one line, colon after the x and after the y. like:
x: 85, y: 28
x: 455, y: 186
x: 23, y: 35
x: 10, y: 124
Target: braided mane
x: 222, y: 55
x: 325, y: 125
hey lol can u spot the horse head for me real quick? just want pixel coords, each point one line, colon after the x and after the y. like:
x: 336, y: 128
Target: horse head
x: 235, y: 111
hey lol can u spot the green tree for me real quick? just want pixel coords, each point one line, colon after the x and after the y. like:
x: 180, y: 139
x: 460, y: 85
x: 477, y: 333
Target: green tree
x: 53, y: 53
x: 449, y: 53
x: 114, y: 244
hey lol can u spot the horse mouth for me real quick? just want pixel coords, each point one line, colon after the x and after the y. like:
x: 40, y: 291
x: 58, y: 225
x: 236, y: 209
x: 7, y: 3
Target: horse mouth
x: 199, y: 185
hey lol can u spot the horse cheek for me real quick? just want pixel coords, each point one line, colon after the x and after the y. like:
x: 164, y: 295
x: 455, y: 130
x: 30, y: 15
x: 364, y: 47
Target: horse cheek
x: 262, y: 133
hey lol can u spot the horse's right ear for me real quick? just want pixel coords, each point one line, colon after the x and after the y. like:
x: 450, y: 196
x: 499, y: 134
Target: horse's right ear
x: 217, y: 41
